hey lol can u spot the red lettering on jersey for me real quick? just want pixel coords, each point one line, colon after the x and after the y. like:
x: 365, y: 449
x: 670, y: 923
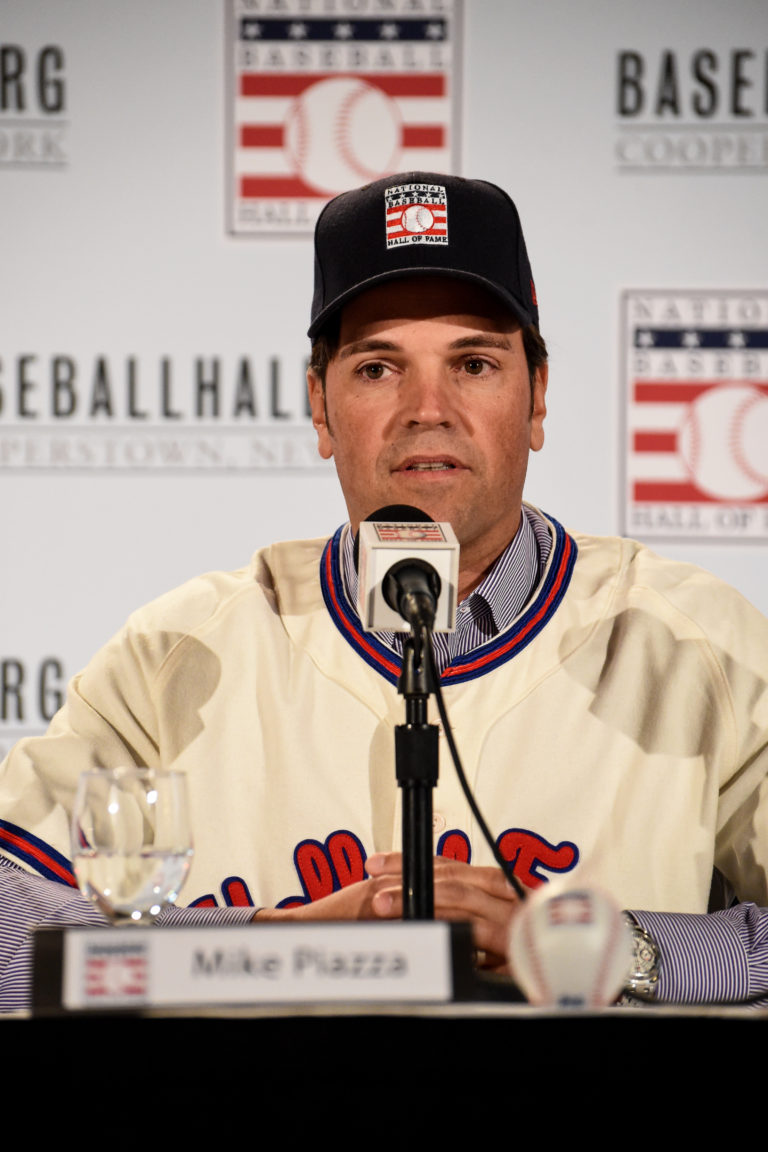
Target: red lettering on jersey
x: 314, y: 868
x: 325, y: 868
x: 347, y: 857
x: 340, y: 861
x: 532, y: 855
x: 454, y: 845
x: 236, y: 894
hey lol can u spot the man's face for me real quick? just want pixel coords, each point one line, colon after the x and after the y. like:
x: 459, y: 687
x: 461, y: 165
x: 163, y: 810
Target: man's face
x: 428, y: 402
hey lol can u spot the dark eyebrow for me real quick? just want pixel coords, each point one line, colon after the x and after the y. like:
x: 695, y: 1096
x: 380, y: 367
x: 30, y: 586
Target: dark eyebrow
x: 372, y: 345
x: 481, y: 340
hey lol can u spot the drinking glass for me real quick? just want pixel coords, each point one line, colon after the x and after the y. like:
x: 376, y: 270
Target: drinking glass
x: 131, y: 841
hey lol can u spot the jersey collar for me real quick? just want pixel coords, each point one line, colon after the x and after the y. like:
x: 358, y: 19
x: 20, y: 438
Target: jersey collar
x: 502, y: 647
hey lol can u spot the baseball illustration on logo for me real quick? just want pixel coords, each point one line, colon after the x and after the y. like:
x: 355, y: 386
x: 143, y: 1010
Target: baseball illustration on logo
x: 417, y: 218
x: 341, y: 132
x: 724, y: 442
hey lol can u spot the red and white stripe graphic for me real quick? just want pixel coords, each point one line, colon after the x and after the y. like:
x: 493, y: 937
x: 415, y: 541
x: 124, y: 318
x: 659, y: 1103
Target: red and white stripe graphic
x: 410, y: 532
x: 698, y: 442
x: 118, y: 975
x: 316, y: 134
x: 417, y: 219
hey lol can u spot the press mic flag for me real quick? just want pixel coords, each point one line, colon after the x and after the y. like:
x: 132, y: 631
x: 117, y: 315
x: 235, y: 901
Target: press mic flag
x: 396, y: 549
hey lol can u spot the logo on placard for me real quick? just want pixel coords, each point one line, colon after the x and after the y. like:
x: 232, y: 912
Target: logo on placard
x: 416, y: 214
x: 33, y: 124
x: 115, y: 973
x: 326, y: 101
x: 696, y: 394
x: 692, y: 111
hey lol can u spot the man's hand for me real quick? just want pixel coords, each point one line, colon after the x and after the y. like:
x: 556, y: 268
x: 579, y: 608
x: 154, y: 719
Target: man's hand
x: 365, y: 900
x: 481, y: 896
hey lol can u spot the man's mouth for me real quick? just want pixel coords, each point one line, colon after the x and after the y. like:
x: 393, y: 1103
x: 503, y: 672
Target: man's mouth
x: 430, y: 466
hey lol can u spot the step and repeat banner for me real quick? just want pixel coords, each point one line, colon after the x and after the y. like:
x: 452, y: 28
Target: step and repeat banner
x: 161, y: 167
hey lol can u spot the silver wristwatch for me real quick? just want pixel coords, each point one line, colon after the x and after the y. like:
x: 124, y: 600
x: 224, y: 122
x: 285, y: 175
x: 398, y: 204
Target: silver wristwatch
x: 643, y: 976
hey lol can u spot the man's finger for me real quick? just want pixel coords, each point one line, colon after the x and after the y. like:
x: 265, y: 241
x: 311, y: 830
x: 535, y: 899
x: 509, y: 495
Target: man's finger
x: 490, y: 879
x: 385, y: 864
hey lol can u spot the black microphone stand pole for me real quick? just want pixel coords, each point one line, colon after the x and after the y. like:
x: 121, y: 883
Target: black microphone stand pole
x: 416, y: 767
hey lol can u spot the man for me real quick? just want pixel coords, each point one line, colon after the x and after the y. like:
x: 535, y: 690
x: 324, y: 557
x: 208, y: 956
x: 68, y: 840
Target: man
x: 611, y: 707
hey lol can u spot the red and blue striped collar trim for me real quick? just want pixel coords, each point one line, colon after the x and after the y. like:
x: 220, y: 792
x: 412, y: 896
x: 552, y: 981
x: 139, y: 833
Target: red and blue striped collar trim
x: 483, y: 659
x: 36, y: 854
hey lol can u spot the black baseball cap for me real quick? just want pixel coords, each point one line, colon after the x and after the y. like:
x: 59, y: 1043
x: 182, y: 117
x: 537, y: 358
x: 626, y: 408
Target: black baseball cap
x: 421, y: 224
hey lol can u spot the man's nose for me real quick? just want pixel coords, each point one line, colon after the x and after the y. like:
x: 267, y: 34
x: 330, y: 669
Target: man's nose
x: 428, y: 398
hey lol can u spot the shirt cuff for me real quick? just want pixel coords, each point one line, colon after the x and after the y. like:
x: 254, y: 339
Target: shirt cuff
x: 173, y: 917
x: 718, y: 956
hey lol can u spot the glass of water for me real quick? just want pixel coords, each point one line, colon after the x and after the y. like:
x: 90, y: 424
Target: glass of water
x: 131, y: 841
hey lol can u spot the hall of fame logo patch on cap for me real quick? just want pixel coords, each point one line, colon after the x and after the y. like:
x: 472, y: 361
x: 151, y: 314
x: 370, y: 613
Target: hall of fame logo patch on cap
x: 326, y: 101
x: 416, y: 214
x: 696, y: 404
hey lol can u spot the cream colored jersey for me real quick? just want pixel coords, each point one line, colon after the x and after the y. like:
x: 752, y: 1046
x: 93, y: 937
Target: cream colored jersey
x: 617, y: 731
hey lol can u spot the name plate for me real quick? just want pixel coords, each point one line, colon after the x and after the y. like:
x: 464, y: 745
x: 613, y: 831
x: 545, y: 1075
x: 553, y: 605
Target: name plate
x: 135, y: 968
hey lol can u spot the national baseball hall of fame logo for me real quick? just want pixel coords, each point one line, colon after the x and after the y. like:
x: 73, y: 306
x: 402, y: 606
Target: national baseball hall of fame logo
x: 696, y: 404
x: 327, y: 95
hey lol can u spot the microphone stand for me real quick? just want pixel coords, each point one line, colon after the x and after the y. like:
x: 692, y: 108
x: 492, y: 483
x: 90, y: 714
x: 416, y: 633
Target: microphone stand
x: 416, y: 768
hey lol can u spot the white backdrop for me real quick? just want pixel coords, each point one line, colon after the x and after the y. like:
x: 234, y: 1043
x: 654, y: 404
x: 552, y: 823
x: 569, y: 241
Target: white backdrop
x: 125, y: 296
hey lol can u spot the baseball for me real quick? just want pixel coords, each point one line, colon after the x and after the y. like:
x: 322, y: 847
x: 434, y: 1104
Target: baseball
x: 417, y: 218
x: 723, y: 442
x: 570, y: 948
x: 343, y: 132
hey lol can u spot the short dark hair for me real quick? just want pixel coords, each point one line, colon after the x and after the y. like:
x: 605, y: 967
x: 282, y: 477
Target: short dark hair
x: 326, y: 345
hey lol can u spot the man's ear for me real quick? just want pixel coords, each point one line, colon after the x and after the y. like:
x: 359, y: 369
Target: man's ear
x: 539, y: 407
x: 319, y: 414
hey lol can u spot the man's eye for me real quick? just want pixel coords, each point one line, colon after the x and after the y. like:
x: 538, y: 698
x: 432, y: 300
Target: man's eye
x: 475, y: 366
x: 372, y: 371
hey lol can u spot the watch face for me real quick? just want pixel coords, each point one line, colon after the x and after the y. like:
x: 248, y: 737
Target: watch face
x: 645, y: 962
x: 645, y: 955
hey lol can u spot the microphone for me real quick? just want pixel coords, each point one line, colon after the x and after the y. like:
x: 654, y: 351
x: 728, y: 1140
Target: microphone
x: 408, y: 567
x: 412, y: 588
